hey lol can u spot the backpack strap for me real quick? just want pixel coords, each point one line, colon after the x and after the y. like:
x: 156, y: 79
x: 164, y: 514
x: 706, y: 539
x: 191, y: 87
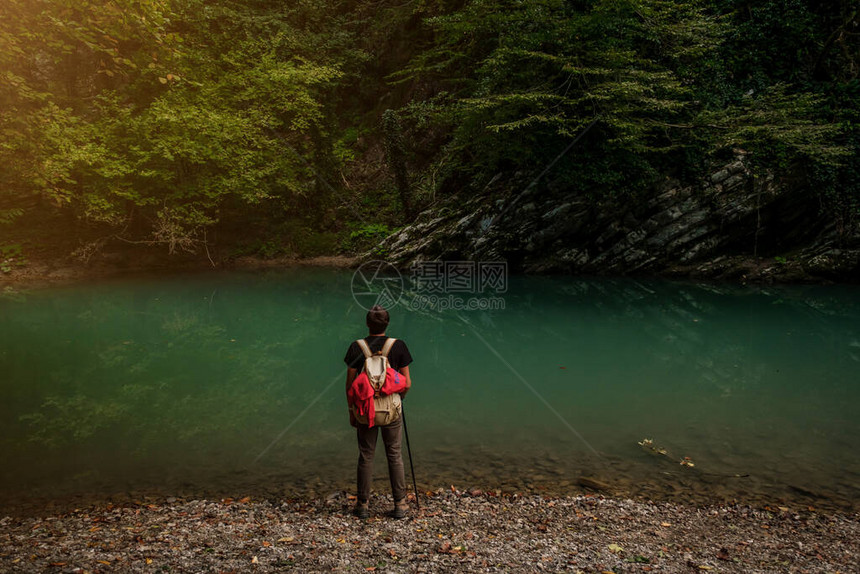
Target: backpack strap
x: 386, y: 348
x: 362, y: 344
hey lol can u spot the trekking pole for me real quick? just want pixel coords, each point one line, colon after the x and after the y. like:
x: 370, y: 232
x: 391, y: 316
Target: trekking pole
x: 409, y: 450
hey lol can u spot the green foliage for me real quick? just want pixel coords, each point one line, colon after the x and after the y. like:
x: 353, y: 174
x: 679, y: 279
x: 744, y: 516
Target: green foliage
x: 293, y: 238
x: 269, y: 249
x: 315, y: 243
x: 670, y: 81
x: 158, y: 117
x: 7, y: 216
x: 366, y: 236
x: 344, y: 147
x: 533, y: 75
x: 781, y: 129
x: 58, y: 58
x: 11, y: 256
x: 395, y: 155
x: 155, y: 120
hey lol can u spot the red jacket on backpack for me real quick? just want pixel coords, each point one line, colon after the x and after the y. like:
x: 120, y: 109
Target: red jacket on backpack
x: 360, y: 392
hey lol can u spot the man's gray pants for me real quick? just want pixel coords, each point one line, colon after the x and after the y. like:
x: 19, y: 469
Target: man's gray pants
x: 391, y: 437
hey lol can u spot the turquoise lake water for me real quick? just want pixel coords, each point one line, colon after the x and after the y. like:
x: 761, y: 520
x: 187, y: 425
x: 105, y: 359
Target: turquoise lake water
x: 233, y: 384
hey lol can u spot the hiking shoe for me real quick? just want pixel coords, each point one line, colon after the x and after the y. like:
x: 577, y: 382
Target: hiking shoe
x: 401, y: 509
x: 362, y: 509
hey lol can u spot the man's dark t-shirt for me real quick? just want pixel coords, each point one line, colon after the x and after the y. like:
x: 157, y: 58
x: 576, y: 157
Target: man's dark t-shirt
x: 398, y: 356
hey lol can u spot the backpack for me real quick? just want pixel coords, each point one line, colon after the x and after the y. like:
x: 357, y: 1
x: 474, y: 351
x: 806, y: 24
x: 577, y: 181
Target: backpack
x: 376, y: 367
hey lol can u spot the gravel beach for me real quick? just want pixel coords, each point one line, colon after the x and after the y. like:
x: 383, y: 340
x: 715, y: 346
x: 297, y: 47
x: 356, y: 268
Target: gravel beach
x: 454, y: 531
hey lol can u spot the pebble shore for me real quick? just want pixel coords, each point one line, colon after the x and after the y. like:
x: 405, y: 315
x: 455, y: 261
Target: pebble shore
x: 453, y: 532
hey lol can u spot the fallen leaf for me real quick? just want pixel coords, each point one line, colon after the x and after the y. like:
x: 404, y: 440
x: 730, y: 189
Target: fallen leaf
x: 149, y: 560
x: 254, y: 560
x: 665, y: 524
x: 615, y: 548
x: 266, y: 543
x: 245, y: 500
x: 286, y: 539
x: 703, y: 567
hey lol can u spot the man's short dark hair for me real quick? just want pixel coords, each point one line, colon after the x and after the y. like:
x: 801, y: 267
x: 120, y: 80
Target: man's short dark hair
x: 377, y: 319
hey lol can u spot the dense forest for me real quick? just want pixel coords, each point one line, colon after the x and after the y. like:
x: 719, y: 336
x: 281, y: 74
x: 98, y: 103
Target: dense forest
x: 253, y: 127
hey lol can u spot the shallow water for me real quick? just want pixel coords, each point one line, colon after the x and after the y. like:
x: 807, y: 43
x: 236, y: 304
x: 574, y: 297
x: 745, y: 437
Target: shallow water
x: 233, y: 384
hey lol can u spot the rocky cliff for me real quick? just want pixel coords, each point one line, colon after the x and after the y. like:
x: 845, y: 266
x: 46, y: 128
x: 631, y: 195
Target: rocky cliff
x: 729, y: 225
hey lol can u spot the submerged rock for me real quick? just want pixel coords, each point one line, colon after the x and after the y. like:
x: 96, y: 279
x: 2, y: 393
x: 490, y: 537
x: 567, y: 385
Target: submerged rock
x: 593, y: 484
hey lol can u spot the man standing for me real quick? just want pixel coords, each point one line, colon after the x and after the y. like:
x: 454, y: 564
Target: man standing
x: 399, y: 360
